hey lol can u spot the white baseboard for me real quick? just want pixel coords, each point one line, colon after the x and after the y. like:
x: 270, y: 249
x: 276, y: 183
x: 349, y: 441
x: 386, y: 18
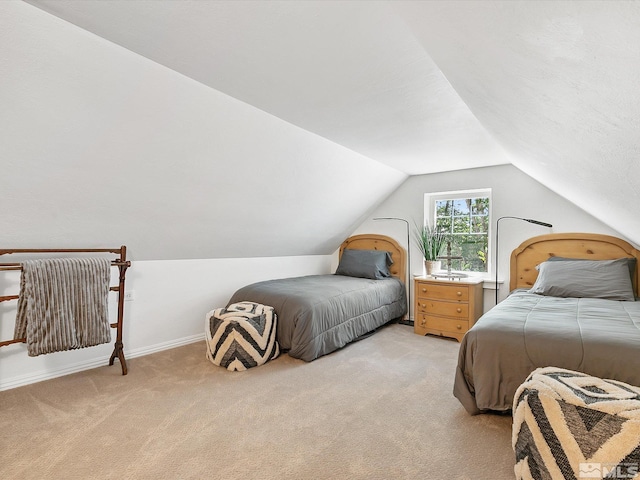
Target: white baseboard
x: 35, y: 377
x: 158, y: 347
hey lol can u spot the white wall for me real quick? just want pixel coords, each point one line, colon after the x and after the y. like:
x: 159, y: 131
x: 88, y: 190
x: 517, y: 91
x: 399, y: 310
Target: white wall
x: 102, y: 147
x: 171, y: 299
x: 513, y: 193
x: 556, y: 84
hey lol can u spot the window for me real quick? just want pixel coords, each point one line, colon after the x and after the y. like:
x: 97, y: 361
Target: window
x: 466, y: 216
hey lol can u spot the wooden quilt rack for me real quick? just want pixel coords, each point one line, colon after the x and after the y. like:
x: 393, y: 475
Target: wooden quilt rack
x: 121, y: 262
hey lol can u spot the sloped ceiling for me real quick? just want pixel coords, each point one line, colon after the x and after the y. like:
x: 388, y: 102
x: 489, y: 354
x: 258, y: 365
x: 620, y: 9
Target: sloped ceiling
x: 102, y: 147
x: 395, y: 88
x: 556, y: 84
x: 352, y: 72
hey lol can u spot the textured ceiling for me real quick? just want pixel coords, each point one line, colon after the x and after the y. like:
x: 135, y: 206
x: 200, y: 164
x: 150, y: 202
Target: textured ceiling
x: 101, y: 147
x: 351, y: 72
x: 308, y: 98
x: 556, y: 84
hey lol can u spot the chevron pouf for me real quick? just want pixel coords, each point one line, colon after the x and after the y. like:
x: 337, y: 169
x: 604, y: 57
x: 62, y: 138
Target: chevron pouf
x: 241, y: 336
x: 568, y: 425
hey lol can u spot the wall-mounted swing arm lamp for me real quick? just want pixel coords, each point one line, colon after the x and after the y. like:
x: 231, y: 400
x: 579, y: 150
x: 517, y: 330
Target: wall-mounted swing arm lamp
x: 537, y: 222
x: 408, y: 277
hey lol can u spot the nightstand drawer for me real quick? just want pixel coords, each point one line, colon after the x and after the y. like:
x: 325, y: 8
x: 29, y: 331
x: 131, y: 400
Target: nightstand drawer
x: 442, y: 324
x: 443, y: 292
x: 448, y: 309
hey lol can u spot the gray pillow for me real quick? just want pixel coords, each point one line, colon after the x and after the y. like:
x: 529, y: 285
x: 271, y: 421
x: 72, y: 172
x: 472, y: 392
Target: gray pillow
x: 631, y: 263
x: 373, y: 264
x: 607, y: 279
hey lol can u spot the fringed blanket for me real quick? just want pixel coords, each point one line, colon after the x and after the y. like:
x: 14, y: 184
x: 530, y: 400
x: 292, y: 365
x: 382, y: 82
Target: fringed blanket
x: 63, y: 304
x: 568, y: 425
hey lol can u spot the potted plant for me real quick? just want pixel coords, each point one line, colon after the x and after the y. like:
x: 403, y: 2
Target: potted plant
x: 430, y: 242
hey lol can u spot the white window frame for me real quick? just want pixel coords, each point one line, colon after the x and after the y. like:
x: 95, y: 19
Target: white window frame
x: 430, y: 211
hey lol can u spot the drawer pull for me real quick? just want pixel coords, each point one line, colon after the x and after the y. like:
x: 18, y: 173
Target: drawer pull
x: 459, y: 310
x: 424, y: 290
x: 459, y: 294
x: 459, y: 327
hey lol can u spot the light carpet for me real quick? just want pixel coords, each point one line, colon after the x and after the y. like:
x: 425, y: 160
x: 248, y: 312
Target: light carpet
x: 381, y: 408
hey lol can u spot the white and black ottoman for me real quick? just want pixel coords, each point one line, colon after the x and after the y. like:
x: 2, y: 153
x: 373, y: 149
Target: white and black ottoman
x: 569, y: 425
x: 241, y: 336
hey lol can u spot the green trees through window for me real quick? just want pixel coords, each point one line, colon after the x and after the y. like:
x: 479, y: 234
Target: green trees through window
x: 467, y: 221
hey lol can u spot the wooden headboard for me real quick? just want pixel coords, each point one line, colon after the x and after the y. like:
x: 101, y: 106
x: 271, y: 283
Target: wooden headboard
x: 371, y: 241
x: 536, y: 250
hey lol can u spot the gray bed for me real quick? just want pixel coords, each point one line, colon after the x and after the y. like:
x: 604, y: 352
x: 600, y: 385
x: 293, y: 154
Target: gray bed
x: 318, y: 314
x: 586, y: 325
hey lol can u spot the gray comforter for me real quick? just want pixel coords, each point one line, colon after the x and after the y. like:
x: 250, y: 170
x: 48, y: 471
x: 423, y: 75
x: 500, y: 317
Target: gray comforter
x: 527, y: 331
x: 318, y: 314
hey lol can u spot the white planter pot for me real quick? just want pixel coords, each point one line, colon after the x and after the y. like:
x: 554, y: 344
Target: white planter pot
x: 432, y: 266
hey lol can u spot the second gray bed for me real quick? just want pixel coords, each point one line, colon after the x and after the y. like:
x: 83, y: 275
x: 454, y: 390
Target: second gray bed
x: 318, y: 314
x: 526, y: 331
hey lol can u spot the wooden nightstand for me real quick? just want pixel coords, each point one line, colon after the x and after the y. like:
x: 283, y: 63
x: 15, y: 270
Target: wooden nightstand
x: 446, y: 307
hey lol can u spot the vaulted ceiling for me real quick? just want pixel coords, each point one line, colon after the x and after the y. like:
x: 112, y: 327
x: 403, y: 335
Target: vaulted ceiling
x: 400, y: 88
x: 350, y: 71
